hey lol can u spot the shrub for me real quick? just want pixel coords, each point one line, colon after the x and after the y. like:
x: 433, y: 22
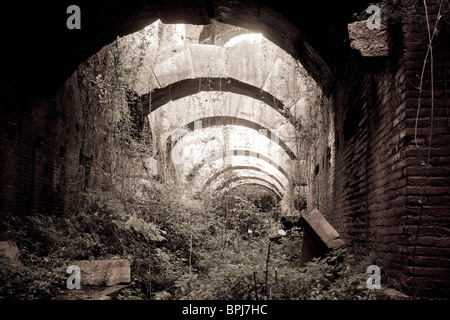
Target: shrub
x: 179, y: 249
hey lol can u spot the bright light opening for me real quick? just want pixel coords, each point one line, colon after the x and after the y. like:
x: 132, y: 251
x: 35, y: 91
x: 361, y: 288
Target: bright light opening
x: 249, y: 37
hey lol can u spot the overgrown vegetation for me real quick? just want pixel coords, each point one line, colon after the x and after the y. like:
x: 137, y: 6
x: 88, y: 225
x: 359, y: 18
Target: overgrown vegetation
x: 213, y: 248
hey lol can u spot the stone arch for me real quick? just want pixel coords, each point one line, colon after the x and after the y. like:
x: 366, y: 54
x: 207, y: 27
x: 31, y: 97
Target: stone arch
x: 213, y: 148
x: 152, y: 101
x: 247, y: 153
x: 247, y: 168
x: 222, y: 180
x: 203, y: 105
x: 255, y: 183
x: 261, y: 66
x: 203, y: 175
x: 283, y: 23
x: 208, y: 122
x: 250, y: 179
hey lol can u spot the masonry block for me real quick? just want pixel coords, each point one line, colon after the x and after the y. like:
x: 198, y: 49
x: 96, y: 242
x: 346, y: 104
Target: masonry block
x: 104, y: 272
x: 319, y: 237
x: 10, y: 251
x: 369, y: 42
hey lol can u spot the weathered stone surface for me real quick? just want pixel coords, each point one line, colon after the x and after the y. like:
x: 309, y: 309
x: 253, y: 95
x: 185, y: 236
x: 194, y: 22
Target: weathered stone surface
x: 395, y: 294
x: 370, y: 42
x: 319, y: 237
x: 260, y: 64
x: 9, y: 250
x: 104, y: 272
x: 323, y: 229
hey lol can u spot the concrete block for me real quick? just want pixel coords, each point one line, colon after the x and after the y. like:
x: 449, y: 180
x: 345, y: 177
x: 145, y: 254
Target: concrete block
x: 324, y: 230
x: 319, y: 237
x: 104, y: 272
x: 9, y: 250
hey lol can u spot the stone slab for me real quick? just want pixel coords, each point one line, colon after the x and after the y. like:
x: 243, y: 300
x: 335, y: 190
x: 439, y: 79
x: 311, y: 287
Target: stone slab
x: 319, y: 237
x: 104, y: 272
x: 9, y: 250
x: 323, y: 229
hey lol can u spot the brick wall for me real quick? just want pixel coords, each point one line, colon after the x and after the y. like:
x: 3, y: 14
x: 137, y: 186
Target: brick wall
x: 426, y: 216
x: 55, y: 148
x: 320, y: 165
x: 387, y: 200
x: 41, y: 142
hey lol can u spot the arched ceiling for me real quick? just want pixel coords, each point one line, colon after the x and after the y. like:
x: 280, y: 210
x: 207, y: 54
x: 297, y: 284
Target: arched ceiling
x: 218, y: 106
x: 309, y: 31
x: 237, y: 181
x: 254, y: 186
x: 263, y: 72
x: 186, y: 87
x: 250, y: 170
x: 248, y: 153
x: 222, y: 105
x: 221, y: 121
x: 200, y: 157
x: 234, y: 174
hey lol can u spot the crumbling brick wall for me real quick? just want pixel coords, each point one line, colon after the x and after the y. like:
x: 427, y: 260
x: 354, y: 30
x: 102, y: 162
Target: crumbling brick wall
x: 391, y: 190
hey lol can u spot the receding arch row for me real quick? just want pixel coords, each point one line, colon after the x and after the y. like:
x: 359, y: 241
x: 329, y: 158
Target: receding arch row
x: 173, y: 116
x: 230, y: 175
x: 257, y: 184
x: 247, y: 168
x: 204, y: 175
x: 252, y: 179
x: 198, y: 156
x: 263, y: 64
x: 247, y: 153
x: 208, y: 122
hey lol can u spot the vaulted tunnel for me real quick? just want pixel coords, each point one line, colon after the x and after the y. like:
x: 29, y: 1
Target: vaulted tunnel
x: 247, y: 170
x: 348, y: 123
x: 221, y: 121
x: 249, y: 179
x: 183, y: 110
